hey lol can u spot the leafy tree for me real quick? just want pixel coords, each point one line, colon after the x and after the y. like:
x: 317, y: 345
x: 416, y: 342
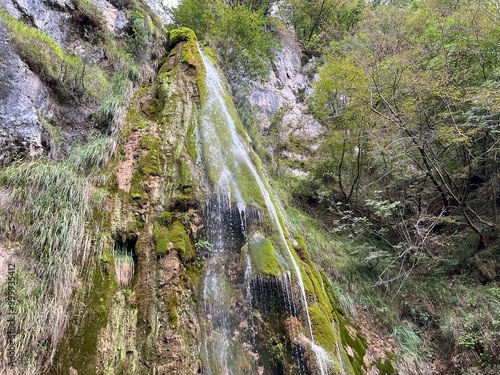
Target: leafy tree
x: 238, y: 32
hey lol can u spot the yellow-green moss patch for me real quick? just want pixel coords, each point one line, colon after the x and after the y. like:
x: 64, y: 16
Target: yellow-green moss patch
x: 322, y: 327
x: 182, y: 34
x: 263, y: 257
x: 175, y: 236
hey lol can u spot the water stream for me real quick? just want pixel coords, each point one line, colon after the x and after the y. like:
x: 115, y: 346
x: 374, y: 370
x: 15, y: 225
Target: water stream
x: 239, y: 197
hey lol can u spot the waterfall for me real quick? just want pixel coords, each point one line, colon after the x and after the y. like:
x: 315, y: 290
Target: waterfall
x: 240, y: 196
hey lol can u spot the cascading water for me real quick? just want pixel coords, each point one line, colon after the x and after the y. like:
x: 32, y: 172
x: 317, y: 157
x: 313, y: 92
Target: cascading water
x: 240, y: 201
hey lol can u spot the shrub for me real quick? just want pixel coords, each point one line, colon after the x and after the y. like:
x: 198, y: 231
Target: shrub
x: 139, y: 42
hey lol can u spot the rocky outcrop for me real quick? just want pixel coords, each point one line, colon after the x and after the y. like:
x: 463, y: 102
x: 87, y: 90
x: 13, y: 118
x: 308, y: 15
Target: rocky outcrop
x: 279, y: 103
x: 35, y: 119
x: 24, y: 101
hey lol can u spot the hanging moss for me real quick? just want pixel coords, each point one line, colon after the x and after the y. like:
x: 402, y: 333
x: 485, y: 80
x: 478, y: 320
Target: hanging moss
x: 263, y: 257
x: 78, y: 349
x: 322, y: 328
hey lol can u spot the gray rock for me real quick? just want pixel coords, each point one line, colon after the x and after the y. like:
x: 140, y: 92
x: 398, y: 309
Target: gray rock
x: 22, y: 98
x: 280, y: 101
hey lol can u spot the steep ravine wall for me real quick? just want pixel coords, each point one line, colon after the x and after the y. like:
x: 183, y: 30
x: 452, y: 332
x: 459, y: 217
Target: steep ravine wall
x: 135, y: 307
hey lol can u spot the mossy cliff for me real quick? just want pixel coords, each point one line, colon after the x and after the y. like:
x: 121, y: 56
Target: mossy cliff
x: 149, y: 325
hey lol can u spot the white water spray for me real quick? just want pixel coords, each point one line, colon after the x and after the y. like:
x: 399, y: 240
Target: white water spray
x: 228, y: 155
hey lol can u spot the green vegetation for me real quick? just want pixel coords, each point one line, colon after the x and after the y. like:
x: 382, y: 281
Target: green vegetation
x: 149, y: 165
x: 406, y: 189
x: 263, y: 257
x: 47, y: 209
x: 89, y: 13
x: 70, y: 76
x: 78, y: 348
x: 235, y: 32
x: 175, y: 236
x: 140, y: 40
x: 172, y: 305
x: 322, y: 327
x: 93, y: 154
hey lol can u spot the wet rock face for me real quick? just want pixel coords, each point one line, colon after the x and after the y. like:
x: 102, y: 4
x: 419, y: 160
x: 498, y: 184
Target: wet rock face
x: 22, y: 98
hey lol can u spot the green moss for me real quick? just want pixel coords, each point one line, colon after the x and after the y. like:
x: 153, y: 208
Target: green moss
x: 193, y: 273
x: 322, y: 327
x: 149, y: 165
x: 176, y: 237
x: 135, y: 119
x: 301, y: 249
x: 208, y: 51
x: 78, y: 349
x: 190, y: 55
x: 192, y: 141
x: 150, y: 142
x: 386, y: 368
x: 160, y: 235
x: 182, y: 34
x: 165, y: 218
x: 358, y: 345
x: 263, y: 257
x: 172, y: 305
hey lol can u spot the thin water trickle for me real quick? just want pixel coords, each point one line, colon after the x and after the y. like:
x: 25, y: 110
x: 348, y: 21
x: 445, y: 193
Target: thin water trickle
x: 230, y: 169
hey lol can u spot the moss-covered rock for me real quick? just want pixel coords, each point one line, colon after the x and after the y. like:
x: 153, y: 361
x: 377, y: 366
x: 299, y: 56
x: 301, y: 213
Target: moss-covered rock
x: 263, y: 257
x: 175, y: 236
x: 160, y: 236
x: 182, y: 34
x: 322, y: 327
x: 78, y: 348
x: 190, y: 55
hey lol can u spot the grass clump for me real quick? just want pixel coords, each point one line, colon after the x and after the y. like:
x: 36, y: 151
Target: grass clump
x: 93, y: 154
x: 68, y: 75
x: 124, y: 266
x: 46, y: 207
x: 89, y: 16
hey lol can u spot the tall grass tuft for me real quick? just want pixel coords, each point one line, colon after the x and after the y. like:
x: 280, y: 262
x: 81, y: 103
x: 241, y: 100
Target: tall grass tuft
x: 45, y: 206
x: 93, y: 154
x: 124, y: 266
